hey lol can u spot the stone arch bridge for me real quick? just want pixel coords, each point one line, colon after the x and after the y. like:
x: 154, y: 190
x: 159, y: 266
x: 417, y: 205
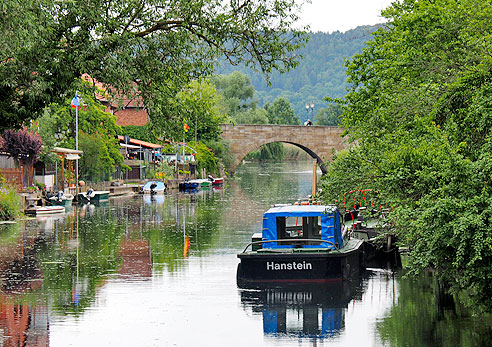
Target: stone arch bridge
x: 317, y: 141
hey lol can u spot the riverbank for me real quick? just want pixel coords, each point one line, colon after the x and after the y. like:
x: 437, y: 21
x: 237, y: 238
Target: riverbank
x: 13, y: 204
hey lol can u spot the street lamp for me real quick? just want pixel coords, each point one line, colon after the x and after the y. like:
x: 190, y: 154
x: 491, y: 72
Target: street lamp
x: 309, y: 107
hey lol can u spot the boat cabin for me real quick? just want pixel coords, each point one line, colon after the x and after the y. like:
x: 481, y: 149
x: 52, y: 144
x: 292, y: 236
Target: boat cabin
x: 299, y: 226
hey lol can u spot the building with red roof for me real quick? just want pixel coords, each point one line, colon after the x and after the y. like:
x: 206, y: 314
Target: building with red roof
x: 128, y: 108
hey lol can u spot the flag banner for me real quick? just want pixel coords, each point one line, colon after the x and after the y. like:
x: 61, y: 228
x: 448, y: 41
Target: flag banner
x: 76, y: 102
x: 186, y: 127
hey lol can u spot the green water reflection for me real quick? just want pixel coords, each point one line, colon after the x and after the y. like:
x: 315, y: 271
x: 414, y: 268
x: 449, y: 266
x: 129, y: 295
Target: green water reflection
x: 425, y: 316
x: 55, y: 266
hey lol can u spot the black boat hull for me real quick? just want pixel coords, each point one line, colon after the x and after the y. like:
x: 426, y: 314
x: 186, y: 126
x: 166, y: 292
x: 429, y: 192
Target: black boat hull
x: 256, y: 267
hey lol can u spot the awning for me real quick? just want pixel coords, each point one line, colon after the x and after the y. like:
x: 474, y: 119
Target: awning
x: 72, y: 156
x: 61, y: 150
x: 129, y: 146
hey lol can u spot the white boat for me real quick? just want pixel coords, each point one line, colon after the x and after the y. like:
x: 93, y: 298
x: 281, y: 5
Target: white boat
x: 44, y: 210
x: 154, y: 187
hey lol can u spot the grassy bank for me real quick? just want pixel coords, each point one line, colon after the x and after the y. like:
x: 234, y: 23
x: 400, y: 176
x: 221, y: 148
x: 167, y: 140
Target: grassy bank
x: 10, y: 203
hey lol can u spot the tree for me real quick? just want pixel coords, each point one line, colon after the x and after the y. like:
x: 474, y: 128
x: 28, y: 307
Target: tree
x: 237, y: 91
x: 149, y: 48
x: 419, y: 111
x: 23, y: 146
x: 201, y: 108
x: 252, y: 116
x: 328, y: 115
x: 98, y: 161
x: 97, y: 135
x: 281, y: 112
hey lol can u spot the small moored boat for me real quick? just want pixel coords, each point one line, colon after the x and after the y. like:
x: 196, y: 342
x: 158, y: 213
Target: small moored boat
x: 367, y: 220
x: 187, y: 185
x: 300, y: 243
x: 216, y: 181
x: 93, y: 196
x: 45, y: 210
x: 203, y: 182
x: 154, y: 187
x: 61, y: 199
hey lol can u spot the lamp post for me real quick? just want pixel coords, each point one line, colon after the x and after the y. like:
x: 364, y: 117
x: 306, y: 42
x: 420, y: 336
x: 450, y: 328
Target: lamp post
x: 309, y: 106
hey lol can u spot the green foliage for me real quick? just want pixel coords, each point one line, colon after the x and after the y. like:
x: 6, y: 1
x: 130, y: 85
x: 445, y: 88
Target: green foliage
x: 97, y: 163
x: 162, y: 45
x: 419, y: 110
x: 10, y: 202
x: 200, y: 107
x: 281, y: 112
x: 320, y: 73
x: 329, y: 115
x: 220, y: 149
x: 237, y: 91
x: 143, y: 133
x: 206, y: 159
x: 252, y: 116
x: 271, y: 151
x: 97, y: 135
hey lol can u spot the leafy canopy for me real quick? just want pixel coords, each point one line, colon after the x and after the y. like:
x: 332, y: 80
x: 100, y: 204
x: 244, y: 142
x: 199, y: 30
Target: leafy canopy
x: 97, y: 135
x: 21, y: 144
x: 157, y: 46
x: 419, y: 109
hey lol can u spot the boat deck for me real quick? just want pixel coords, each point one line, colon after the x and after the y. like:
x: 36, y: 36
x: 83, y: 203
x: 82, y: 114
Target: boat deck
x: 350, y: 246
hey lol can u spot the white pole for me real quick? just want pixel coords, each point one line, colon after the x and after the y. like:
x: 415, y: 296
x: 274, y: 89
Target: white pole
x: 77, y: 148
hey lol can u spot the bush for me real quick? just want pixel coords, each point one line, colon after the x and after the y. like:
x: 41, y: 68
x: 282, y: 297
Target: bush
x: 10, y: 203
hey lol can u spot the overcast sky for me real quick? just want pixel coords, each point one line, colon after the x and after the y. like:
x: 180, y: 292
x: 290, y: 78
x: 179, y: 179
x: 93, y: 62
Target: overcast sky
x: 342, y: 15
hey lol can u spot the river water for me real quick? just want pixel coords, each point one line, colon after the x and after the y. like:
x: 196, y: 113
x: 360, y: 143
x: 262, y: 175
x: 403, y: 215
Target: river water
x: 160, y: 271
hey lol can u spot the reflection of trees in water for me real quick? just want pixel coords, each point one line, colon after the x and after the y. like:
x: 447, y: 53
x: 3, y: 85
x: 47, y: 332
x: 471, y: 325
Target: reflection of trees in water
x: 195, y: 225
x: 19, y: 268
x: 273, y: 183
x: 425, y: 316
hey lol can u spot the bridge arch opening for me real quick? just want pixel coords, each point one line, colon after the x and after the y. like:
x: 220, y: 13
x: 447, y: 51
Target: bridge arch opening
x: 248, y: 150
x: 317, y: 141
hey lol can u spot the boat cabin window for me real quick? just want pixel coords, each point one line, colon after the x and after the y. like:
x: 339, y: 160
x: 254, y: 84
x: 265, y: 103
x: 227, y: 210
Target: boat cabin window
x: 299, y: 227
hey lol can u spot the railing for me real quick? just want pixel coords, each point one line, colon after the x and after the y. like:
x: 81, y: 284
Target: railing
x: 289, y: 240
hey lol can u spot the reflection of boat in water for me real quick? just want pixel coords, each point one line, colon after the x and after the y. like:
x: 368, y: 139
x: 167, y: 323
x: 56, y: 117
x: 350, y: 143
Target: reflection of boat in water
x: 300, y: 243
x: 303, y: 310
x: 150, y: 199
x: 154, y: 187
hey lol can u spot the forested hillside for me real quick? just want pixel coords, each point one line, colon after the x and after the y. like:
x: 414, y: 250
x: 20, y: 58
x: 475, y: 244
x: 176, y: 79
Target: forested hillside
x: 321, y: 73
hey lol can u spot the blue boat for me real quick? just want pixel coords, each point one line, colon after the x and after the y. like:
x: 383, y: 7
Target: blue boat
x: 300, y: 243
x: 187, y: 185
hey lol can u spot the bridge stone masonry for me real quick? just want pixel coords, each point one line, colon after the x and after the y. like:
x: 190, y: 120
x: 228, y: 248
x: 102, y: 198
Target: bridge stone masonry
x: 317, y: 141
